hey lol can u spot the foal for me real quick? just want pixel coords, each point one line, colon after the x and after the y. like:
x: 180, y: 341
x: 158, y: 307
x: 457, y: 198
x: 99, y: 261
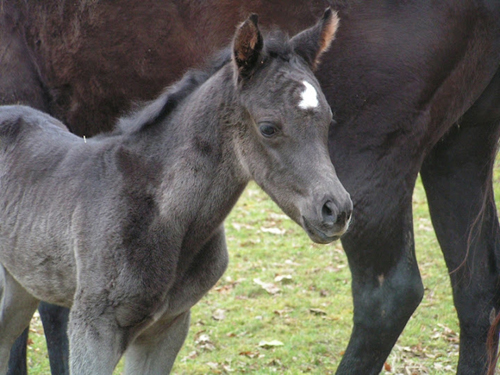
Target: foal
x: 126, y: 228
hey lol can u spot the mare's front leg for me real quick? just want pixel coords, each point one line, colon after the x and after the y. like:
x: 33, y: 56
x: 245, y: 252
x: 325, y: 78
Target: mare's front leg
x: 386, y: 283
x: 457, y: 176
x: 16, y: 309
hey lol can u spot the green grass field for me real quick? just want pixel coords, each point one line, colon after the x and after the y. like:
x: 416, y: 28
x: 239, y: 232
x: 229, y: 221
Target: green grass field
x: 284, y: 305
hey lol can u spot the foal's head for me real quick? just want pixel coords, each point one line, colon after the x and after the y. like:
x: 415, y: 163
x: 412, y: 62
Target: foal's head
x: 282, y: 143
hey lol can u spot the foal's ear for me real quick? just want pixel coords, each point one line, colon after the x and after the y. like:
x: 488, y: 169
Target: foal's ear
x: 247, y: 46
x: 311, y: 43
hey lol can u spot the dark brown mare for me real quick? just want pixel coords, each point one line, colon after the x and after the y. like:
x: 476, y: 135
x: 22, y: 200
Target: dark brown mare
x: 414, y: 87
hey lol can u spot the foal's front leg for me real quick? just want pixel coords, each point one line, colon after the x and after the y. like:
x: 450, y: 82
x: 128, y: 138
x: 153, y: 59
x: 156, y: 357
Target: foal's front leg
x: 154, y: 351
x: 96, y: 341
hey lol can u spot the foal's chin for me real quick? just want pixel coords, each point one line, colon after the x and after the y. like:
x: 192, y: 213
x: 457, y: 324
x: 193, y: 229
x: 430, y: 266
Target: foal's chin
x: 321, y: 236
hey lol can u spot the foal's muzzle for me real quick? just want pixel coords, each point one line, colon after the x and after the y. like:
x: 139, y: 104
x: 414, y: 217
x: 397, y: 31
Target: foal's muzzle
x: 330, y: 223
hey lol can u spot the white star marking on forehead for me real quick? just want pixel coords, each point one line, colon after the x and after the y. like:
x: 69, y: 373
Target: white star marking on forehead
x: 309, y: 97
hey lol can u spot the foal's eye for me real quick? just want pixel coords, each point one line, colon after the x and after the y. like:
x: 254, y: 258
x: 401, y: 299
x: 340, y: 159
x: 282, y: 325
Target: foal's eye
x: 268, y: 130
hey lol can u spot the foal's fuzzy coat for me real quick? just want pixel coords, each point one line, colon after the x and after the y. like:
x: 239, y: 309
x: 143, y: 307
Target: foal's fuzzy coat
x: 126, y: 229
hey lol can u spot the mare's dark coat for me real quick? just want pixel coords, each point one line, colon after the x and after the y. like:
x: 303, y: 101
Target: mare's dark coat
x: 414, y: 88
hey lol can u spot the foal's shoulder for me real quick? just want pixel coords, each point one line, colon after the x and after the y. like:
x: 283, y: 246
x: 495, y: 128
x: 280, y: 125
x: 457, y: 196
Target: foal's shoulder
x: 18, y: 120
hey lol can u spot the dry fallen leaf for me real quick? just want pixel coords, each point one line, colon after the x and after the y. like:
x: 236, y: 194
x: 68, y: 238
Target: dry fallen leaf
x: 250, y: 354
x: 273, y: 230
x: 283, y: 278
x: 387, y: 367
x: 268, y: 287
x: 203, y: 342
x: 270, y: 344
x: 317, y: 311
x: 219, y: 314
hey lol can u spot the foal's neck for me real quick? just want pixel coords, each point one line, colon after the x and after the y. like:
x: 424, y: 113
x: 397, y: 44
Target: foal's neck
x: 195, y: 146
x: 207, y: 122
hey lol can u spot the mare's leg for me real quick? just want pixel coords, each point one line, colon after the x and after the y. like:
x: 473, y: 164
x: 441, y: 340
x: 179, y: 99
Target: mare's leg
x: 457, y: 178
x: 16, y: 309
x: 379, y: 245
x: 17, y: 360
x: 55, y: 323
x: 386, y: 288
x: 155, y: 350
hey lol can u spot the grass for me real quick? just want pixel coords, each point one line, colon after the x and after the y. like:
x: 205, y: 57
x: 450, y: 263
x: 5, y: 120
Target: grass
x: 284, y: 305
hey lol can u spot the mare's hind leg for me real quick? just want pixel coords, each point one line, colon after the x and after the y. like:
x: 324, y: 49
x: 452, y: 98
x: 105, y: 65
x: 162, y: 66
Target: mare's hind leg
x: 155, y: 350
x: 17, y: 360
x: 16, y: 309
x: 458, y: 182
x: 55, y: 323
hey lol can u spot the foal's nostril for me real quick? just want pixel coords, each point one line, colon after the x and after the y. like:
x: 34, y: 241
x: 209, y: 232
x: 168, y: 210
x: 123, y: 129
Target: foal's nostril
x: 328, y: 215
x: 342, y: 218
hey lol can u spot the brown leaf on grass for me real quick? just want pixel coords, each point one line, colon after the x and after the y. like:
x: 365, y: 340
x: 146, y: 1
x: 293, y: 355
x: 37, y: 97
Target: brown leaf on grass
x: 446, y: 334
x: 273, y: 230
x: 219, y: 314
x: 227, y: 368
x: 283, y: 279
x: 250, y: 354
x: 203, y: 341
x: 387, y: 367
x: 270, y: 344
x: 213, y: 365
x: 317, y: 311
x: 282, y: 313
x: 191, y: 355
x: 268, y: 287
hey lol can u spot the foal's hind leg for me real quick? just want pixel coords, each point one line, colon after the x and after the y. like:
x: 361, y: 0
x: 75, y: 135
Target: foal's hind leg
x: 457, y: 179
x: 155, y: 350
x: 16, y: 309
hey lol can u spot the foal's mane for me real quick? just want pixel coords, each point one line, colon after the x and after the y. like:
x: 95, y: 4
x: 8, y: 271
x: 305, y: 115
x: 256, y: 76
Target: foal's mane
x: 154, y: 112
x: 159, y: 109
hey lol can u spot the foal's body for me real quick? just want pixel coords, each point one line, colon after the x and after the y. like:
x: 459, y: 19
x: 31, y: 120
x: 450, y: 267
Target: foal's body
x: 147, y: 244
x: 126, y: 229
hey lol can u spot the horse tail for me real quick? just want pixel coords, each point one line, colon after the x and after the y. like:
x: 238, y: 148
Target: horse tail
x: 491, y: 344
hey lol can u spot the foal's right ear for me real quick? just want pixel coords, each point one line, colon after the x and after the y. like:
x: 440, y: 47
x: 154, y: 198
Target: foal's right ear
x: 247, y: 46
x: 311, y: 43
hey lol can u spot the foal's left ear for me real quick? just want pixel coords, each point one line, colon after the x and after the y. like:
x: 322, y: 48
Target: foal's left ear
x: 247, y: 46
x: 311, y: 43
